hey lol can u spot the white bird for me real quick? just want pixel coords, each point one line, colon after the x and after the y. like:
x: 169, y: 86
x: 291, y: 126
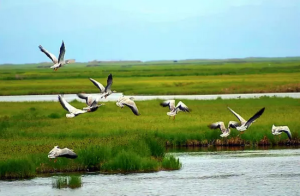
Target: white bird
x: 246, y: 124
x: 280, y: 129
x: 128, y: 101
x: 65, y: 152
x: 72, y: 110
x: 174, y: 110
x: 107, y: 89
x: 91, y: 101
x: 168, y: 103
x: 221, y: 126
x: 60, y: 62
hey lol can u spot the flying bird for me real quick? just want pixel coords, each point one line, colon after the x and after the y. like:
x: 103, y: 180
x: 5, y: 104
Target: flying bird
x: 72, y: 110
x: 174, y: 110
x: 280, y: 129
x: 60, y: 62
x: 128, y: 101
x: 221, y: 126
x: 107, y: 89
x: 246, y: 124
x: 65, y: 152
x: 168, y: 103
x: 91, y: 101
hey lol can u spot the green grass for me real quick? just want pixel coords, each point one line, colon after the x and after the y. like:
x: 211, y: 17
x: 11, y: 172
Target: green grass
x: 170, y: 162
x: 114, y: 140
x: 188, y: 77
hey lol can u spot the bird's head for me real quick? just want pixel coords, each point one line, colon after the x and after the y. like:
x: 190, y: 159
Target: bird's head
x: 51, y: 154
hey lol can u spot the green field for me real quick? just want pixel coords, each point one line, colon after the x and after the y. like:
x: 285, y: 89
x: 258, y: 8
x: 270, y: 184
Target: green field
x: 114, y: 140
x: 153, y: 78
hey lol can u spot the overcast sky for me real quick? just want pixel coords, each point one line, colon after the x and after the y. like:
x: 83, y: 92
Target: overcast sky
x: 148, y: 29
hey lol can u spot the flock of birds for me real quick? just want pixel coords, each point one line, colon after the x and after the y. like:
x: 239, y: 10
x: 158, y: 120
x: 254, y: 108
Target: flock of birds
x: 92, y: 103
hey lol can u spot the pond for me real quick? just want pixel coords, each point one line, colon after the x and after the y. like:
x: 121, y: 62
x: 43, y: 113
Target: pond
x: 237, y: 172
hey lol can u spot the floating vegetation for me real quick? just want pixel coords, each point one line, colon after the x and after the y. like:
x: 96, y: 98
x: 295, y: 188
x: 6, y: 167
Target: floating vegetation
x: 66, y: 182
x: 171, y: 163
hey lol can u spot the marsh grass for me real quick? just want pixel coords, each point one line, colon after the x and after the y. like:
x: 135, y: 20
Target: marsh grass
x: 114, y: 140
x: 17, y: 168
x: 171, y: 163
x: 92, y: 157
x: 128, y: 161
x: 66, y: 182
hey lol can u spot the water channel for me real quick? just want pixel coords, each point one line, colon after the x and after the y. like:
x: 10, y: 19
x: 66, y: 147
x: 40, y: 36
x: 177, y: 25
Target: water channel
x: 229, y: 172
x: 115, y: 96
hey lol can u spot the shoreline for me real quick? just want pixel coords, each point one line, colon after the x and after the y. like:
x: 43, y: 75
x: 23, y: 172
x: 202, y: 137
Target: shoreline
x: 177, y: 150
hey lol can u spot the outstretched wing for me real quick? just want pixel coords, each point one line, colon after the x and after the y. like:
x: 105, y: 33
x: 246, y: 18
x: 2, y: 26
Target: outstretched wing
x: 51, y: 56
x: 82, y: 96
x: 68, y: 153
x: 286, y: 130
x: 169, y: 103
x: 98, y: 85
x: 89, y: 100
x: 109, y: 82
x: 62, y: 52
x: 241, y: 119
x: 182, y: 107
x: 131, y: 104
x: 233, y: 124
x: 254, y: 117
x: 217, y: 125
x: 66, y: 105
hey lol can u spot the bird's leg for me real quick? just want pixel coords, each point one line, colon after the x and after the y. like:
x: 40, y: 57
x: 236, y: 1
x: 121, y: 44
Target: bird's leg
x: 174, y: 118
x: 55, y: 160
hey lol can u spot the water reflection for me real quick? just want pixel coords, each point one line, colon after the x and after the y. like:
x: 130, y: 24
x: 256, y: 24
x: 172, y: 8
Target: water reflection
x: 72, y: 182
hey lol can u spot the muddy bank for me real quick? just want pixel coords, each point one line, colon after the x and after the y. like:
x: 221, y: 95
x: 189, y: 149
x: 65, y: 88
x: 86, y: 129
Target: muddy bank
x: 234, y: 141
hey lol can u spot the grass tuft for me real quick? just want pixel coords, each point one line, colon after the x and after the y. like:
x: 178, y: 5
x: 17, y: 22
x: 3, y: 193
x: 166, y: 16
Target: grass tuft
x: 92, y: 157
x: 129, y: 162
x: 54, y: 115
x: 171, y: 163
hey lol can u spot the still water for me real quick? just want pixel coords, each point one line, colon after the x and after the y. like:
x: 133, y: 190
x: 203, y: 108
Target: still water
x: 245, y: 172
